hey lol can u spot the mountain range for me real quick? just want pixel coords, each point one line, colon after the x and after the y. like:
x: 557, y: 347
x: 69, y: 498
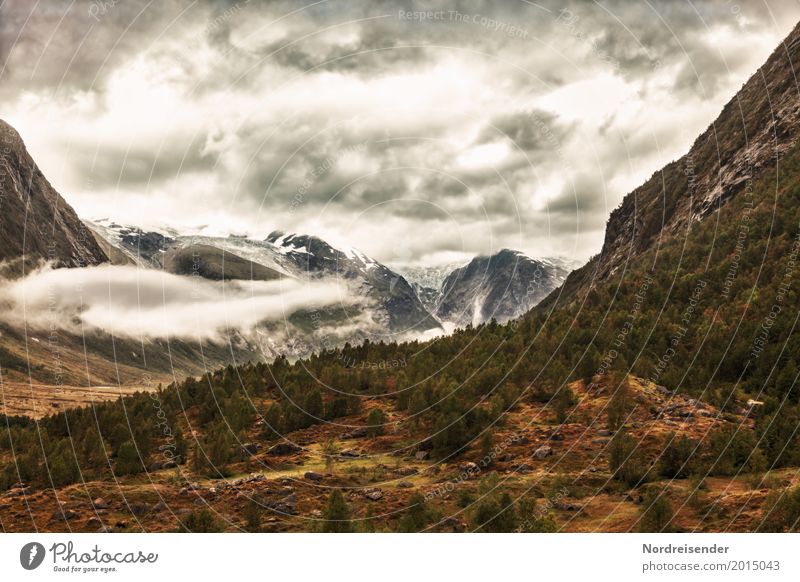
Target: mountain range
x: 37, y: 226
x: 411, y: 299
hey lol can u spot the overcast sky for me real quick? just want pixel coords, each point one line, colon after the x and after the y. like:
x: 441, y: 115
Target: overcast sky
x: 481, y: 126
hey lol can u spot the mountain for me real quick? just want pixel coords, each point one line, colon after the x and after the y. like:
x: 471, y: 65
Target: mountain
x: 36, y: 224
x: 755, y: 129
x: 215, y: 264
x: 130, y: 245
x: 502, y: 287
x: 391, y: 301
x: 398, y: 306
x: 427, y: 281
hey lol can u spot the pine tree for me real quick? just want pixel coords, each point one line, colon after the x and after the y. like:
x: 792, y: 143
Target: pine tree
x: 417, y: 516
x: 487, y: 443
x: 619, y: 405
x: 337, y: 514
x: 565, y: 399
x: 375, y: 422
x: 128, y: 462
x: 329, y: 450
x: 252, y: 516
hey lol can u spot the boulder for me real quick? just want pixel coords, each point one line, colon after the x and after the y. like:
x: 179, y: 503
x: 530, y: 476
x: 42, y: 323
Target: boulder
x: 567, y: 506
x: 542, y: 452
x: 426, y: 445
x: 251, y: 448
x: 373, y: 494
x: 20, y: 492
x: 62, y: 515
x: 312, y: 476
x: 287, y: 505
x: 283, y: 449
x: 455, y: 524
x: 356, y: 433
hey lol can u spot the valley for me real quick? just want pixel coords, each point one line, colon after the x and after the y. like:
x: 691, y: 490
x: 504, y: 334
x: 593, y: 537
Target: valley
x: 155, y: 380
x: 562, y: 468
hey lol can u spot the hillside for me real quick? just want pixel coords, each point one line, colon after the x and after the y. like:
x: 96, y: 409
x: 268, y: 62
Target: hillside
x: 215, y: 264
x: 36, y: 224
x: 757, y: 128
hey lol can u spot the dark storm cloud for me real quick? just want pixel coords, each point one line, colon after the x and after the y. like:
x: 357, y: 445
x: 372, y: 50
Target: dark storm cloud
x: 582, y: 194
x: 662, y: 34
x: 139, y: 167
x: 532, y: 131
x: 59, y: 46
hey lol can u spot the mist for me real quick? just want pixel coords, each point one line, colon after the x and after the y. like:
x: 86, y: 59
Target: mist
x: 141, y: 303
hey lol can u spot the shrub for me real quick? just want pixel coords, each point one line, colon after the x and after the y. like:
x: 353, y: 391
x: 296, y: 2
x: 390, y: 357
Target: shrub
x: 656, y: 513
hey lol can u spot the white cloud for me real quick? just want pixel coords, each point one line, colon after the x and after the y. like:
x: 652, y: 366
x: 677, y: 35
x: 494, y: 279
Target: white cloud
x: 144, y: 303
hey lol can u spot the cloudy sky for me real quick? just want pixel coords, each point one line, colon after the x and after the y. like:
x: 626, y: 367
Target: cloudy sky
x: 416, y: 137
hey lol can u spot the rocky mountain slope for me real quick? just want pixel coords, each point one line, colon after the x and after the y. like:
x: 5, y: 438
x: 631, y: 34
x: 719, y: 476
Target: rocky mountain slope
x: 755, y: 129
x: 501, y: 287
x: 397, y: 303
x: 215, y: 264
x: 36, y: 224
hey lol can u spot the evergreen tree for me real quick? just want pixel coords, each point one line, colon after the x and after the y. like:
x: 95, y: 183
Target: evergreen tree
x: 128, y: 462
x: 336, y: 515
x: 375, y: 421
x: 417, y: 516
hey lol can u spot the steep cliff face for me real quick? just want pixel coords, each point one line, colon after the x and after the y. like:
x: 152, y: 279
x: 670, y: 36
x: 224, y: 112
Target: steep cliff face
x: 753, y: 131
x: 36, y: 223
